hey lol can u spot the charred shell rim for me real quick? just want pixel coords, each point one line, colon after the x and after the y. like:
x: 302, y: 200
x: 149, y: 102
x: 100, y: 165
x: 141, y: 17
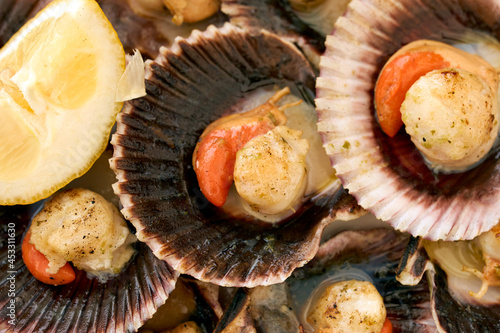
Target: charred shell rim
x: 450, y: 313
x: 277, y: 17
x: 199, y: 80
x: 388, y: 176
x: 377, y: 253
x: 414, y: 262
x: 122, y: 304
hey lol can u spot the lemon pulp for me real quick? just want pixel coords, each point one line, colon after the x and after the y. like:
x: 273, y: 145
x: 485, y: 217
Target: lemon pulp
x: 58, y: 79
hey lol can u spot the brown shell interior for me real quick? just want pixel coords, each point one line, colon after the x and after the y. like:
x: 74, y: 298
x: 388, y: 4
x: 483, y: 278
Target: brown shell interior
x: 206, y: 77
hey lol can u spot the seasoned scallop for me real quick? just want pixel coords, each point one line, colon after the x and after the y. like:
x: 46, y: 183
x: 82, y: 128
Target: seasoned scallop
x: 363, y: 258
x: 270, y: 171
x: 451, y: 116
x: 81, y: 227
x: 121, y: 304
x: 389, y: 176
x: 348, y: 306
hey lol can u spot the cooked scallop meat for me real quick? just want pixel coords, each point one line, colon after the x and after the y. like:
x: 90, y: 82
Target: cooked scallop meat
x: 82, y: 227
x: 452, y: 118
x: 191, y: 11
x: 349, y: 306
x: 384, y: 169
x: 270, y: 171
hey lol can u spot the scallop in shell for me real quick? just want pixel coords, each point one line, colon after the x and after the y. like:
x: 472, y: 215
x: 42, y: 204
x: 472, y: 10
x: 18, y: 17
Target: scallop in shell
x: 388, y: 176
x: 197, y: 81
x: 363, y: 255
x: 122, y: 304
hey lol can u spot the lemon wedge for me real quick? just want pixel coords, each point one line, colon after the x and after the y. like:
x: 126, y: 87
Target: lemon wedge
x: 58, y: 82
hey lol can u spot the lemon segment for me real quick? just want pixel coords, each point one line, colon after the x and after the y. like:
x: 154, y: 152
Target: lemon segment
x: 58, y: 80
x: 19, y: 146
x: 42, y: 77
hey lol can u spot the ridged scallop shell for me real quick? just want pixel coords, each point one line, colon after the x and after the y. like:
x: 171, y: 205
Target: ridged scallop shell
x: 388, y: 176
x: 277, y: 17
x: 453, y: 316
x: 374, y: 252
x: 199, y: 80
x: 452, y: 312
x: 122, y: 304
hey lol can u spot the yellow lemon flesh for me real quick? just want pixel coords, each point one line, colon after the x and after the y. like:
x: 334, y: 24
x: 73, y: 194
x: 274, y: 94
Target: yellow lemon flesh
x: 58, y: 80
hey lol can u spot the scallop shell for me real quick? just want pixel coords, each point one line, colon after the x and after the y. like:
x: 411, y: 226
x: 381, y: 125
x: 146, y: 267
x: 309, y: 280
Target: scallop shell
x: 260, y: 309
x: 453, y: 316
x: 388, y: 176
x: 375, y: 253
x: 122, y: 304
x: 199, y: 80
x: 277, y: 17
x: 134, y: 31
x: 452, y: 312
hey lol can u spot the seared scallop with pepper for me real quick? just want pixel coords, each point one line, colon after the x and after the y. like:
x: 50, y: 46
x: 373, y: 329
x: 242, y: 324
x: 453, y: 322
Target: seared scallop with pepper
x: 81, y: 227
x: 266, y: 159
x: 415, y: 103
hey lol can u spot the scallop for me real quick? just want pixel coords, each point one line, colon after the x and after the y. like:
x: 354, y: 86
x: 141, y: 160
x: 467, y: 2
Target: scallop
x: 369, y: 257
x: 260, y: 309
x: 389, y: 176
x: 122, y: 304
x: 201, y: 78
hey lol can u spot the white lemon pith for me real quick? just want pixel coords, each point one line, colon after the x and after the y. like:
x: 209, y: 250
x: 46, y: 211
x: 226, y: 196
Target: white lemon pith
x: 58, y: 81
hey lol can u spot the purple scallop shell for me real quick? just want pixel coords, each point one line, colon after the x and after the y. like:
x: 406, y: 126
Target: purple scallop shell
x: 388, y: 176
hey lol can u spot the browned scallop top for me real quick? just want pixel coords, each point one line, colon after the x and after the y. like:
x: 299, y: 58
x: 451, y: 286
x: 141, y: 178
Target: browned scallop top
x: 199, y: 80
x: 121, y: 304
